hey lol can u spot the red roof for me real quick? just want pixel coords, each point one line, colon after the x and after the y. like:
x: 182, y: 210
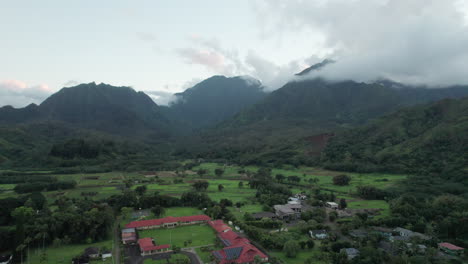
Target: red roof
x: 450, y: 246
x: 232, y: 238
x: 146, y: 244
x: 236, y: 243
x: 165, y: 220
x: 247, y: 254
x: 219, y: 226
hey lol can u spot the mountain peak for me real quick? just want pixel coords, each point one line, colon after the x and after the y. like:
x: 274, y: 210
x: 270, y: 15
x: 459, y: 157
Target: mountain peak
x: 315, y: 67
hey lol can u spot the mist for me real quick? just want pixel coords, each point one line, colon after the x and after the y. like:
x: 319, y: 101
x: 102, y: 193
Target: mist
x: 416, y: 42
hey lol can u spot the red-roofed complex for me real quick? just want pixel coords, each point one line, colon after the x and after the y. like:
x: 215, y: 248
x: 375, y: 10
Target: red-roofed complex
x: 238, y: 249
x: 451, y: 248
x: 129, y: 236
x: 219, y: 226
x: 147, y: 247
x: 168, y: 222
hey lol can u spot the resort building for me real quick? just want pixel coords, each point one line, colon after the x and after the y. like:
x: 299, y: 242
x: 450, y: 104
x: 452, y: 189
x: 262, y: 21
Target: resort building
x: 147, y: 247
x: 129, y: 236
x: 168, y: 222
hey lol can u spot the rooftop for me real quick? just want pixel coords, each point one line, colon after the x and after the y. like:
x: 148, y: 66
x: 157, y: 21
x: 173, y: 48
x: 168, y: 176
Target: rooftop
x: 450, y: 246
x: 169, y: 219
x: 146, y: 244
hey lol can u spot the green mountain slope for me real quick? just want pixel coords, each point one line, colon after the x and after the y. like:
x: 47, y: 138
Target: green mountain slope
x: 213, y: 100
x: 114, y: 110
x: 430, y: 138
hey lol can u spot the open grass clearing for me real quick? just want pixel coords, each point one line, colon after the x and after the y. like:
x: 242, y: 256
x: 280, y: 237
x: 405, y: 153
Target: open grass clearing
x: 200, y: 235
x: 182, y: 211
x: 65, y: 254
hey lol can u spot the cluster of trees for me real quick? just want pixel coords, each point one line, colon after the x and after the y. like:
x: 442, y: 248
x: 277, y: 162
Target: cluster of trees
x: 44, y: 186
x: 341, y: 180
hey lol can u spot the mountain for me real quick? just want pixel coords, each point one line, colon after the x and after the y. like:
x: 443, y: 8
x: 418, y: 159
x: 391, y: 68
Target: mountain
x: 315, y: 67
x: 114, y: 110
x: 213, y: 100
x: 430, y: 138
x: 277, y: 128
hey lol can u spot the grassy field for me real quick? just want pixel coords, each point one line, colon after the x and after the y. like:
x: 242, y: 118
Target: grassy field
x: 64, y: 254
x: 174, y: 258
x: 248, y: 208
x: 199, y: 234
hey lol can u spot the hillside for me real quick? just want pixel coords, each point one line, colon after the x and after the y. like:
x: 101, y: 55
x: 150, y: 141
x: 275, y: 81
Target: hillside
x: 114, y: 110
x: 431, y: 138
x: 213, y: 100
x: 277, y: 129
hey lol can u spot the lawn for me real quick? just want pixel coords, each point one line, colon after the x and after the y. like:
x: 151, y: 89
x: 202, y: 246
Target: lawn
x: 301, y: 257
x: 64, y: 254
x: 248, y: 208
x: 7, y: 186
x: 174, y: 259
x: 199, y: 234
x: 369, y: 204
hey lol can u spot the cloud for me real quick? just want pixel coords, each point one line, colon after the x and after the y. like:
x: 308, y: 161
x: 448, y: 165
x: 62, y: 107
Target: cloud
x: 161, y: 97
x: 208, y: 58
x: 19, y: 94
x: 211, y: 54
x: 415, y: 42
x: 146, y: 37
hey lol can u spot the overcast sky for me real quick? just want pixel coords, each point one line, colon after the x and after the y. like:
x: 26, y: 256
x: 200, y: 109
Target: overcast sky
x: 163, y: 47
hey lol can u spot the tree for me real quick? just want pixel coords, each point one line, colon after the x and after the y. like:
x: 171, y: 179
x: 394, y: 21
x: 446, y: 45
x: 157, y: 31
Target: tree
x: 158, y: 210
x: 341, y: 180
x: 220, y: 187
x: 140, y: 190
x: 343, y: 204
x: 291, y: 248
x: 21, y: 215
x: 202, y: 172
x: 241, y: 185
x: 219, y: 172
x: 126, y: 211
x: 310, y: 244
x: 280, y: 178
x: 200, y: 185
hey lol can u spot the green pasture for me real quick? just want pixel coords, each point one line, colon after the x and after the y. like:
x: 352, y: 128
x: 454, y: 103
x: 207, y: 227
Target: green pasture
x: 182, y: 211
x: 199, y: 234
x: 65, y: 254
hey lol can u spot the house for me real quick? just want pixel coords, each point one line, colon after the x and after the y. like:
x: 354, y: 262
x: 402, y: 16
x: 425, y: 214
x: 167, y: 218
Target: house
x: 219, y: 226
x: 237, y: 249
x: 318, y: 234
x: 419, y: 248
x: 350, y: 252
x: 385, y: 232
x: 80, y: 260
x: 240, y: 253
x: 451, y: 249
x: 91, y: 252
x: 410, y: 234
x: 7, y: 259
x: 331, y: 205
x: 261, y: 215
x: 288, y: 211
x: 106, y: 254
x: 230, y: 238
x: 147, y: 247
x: 169, y: 221
x: 358, y: 233
x: 129, y: 236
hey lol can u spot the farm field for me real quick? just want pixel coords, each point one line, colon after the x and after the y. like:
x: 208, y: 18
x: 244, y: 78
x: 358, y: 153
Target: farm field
x: 199, y: 234
x: 65, y: 254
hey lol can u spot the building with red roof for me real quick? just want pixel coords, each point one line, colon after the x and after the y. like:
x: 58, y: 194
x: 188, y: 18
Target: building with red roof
x: 219, y: 226
x: 169, y: 221
x: 129, y: 236
x: 238, y: 249
x: 451, y: 248
x: 147, y: 247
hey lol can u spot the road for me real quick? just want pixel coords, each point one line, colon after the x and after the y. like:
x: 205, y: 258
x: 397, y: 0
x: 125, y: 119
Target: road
x: 116, y: 242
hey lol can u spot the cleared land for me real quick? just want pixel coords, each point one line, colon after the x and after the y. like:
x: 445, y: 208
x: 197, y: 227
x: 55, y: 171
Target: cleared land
x: 65, y: 254
x: 200, y: 235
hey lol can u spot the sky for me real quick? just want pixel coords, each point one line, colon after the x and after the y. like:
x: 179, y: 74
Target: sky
x: 164, y: 47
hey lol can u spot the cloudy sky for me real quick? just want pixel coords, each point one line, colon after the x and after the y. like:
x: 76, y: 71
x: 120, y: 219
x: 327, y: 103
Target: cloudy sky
x: 163, y: 47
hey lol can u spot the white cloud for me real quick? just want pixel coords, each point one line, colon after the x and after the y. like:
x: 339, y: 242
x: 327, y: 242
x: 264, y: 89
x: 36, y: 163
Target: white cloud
x: 19, y: 94
x: 411, y: 41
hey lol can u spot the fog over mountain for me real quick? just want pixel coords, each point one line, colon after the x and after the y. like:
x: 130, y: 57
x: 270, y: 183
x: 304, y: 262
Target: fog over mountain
x: 413, y: 42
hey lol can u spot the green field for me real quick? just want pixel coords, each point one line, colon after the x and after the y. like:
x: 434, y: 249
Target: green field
x: 199, y: 234
x: 64, y: 254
